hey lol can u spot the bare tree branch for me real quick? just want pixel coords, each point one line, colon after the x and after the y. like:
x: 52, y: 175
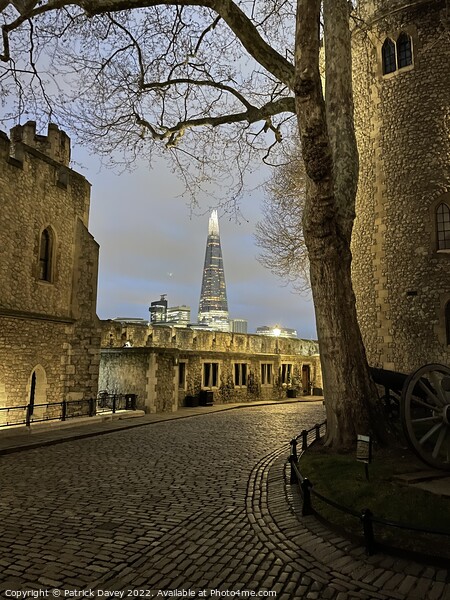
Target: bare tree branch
x: 235, y: 18
x: 252, y: 115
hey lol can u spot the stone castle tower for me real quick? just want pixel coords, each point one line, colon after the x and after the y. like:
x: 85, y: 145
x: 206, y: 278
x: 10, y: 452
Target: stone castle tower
x: 401, y: 240
x: 49, y: 330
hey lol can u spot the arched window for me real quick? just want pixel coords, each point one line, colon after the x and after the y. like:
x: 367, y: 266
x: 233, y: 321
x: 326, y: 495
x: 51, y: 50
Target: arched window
x: 396, y: 55
x: 404, y: 50
x: 447, y: 322
x: 45, y: 255
x: 443, y: 226
x: 388, y: 56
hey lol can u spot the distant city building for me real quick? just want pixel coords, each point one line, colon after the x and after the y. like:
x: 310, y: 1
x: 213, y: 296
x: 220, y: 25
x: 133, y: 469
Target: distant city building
x: 179, y: 316
x: 213, y: 307
x: 276, y: 331
x: 238, y: 325
x: 158, y: 310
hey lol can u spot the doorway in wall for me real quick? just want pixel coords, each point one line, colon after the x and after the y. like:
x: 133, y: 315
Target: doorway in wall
x: 306, y: 379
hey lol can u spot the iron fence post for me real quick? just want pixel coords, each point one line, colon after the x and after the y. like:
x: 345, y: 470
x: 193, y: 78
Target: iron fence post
x: 63, y: 410
x: 294, y: 448
x: 307, y: 508
x: 293, y: 478
x: 114, y: 403
x: 304, y: 435
x: 293, y: 460
x: 369, y: 539
x: 92, y: 407
x: 28, y: 416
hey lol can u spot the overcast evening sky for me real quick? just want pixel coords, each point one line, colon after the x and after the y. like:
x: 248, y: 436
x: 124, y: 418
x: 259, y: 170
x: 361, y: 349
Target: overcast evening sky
x: 150, y: 244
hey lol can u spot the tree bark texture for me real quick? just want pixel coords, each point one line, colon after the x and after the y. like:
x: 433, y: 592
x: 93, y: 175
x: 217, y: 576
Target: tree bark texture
x: 350, y: 395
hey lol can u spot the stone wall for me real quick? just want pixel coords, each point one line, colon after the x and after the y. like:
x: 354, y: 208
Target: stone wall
x: 146, y: 360
x: 46, y: 326
x: 116, y: 334
x: 369, y: 10
x: 401, y: 282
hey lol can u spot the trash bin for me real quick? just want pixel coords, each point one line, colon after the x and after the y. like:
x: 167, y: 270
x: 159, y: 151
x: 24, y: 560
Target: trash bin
x: 191, y: 401
x: 206, y: 398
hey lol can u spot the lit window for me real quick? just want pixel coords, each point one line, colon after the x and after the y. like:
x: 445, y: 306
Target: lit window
x: 443, y: 226
x: 266, y: 373
x: 210, y: 375
x: 404, y: 50
x: 286, y: 373
x: 388, y: 56
x: 240, y: 374
x: 45, y: 255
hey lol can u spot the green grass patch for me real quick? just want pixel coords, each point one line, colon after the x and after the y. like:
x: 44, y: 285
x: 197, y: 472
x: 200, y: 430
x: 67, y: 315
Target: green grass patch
x: 341, y: 478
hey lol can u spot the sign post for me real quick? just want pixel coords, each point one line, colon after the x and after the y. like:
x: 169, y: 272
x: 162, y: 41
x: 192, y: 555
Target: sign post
x: 364, y: 452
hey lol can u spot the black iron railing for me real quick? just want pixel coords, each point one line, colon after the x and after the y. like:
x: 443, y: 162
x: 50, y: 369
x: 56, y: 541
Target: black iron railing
x: 67, y: 409
x: 114, y: 402
x: 365, y: 516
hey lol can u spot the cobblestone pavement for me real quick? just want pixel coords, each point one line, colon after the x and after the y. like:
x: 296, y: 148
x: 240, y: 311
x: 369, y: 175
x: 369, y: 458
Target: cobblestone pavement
x: 195, y: 506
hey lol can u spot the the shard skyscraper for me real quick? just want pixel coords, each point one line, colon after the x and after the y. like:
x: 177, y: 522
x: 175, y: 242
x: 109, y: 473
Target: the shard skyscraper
x: 213, y: 308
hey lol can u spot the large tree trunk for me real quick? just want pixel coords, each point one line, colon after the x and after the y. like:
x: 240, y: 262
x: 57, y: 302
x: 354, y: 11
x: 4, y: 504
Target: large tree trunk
x: 331, y: 164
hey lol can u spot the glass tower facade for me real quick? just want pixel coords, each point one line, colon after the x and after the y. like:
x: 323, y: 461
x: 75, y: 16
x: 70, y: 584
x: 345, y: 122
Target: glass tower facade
x: 213, y: 307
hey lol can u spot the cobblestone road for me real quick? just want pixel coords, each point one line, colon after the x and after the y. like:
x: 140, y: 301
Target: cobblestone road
x: 189, y: 505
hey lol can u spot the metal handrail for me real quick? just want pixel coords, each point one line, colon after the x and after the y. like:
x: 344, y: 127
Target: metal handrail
x: 86, y: 407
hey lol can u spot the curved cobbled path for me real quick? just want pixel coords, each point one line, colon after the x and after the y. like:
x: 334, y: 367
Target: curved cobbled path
x: 197, y: 507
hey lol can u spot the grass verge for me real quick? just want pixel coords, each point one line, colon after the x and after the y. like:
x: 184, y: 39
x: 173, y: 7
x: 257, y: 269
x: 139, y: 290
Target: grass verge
x: 342, y: 479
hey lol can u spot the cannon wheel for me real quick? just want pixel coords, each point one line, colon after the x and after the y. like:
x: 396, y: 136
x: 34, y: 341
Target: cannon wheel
x: 425, y: 412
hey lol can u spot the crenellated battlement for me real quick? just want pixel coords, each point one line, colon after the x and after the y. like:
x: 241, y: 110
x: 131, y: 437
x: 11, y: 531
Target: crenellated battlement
x: 55, y: 145
x: 29, y: 161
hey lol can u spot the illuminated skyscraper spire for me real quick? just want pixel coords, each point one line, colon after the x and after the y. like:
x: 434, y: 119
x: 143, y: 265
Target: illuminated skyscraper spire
x: 213, y: 308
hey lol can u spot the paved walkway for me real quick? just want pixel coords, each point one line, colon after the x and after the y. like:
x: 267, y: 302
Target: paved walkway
x: 16, y: 439
x: 191, y: 507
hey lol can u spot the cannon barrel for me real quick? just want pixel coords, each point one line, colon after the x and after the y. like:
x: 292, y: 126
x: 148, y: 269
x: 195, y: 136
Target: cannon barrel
x: 394, y: 380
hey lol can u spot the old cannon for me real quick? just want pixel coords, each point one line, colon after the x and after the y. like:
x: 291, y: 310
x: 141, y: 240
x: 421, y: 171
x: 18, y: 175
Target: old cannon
x: 422, y: 400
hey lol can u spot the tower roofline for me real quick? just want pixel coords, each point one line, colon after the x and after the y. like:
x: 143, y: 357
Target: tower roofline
x: 213, y: 225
